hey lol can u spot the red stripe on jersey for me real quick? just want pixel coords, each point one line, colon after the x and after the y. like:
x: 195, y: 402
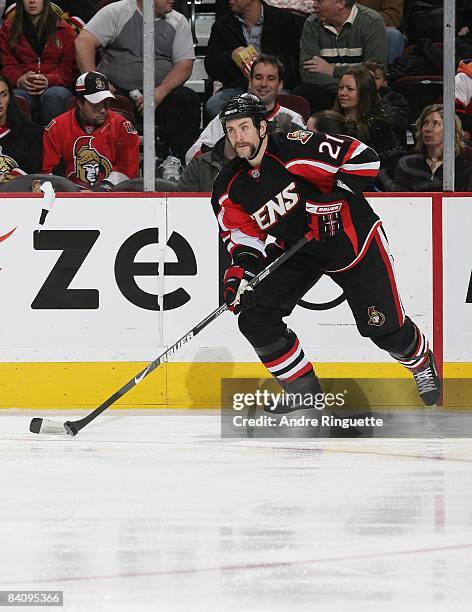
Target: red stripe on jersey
x: 271, y: 364
x: 367, y: 242
x: 391, y: 276
x: 350, y: 160
x: 307, y: 368
x: 352, y: 147
x: 360, y: 172
x: 323, y: 179
x: 349, y: 227
x: 233, y: 217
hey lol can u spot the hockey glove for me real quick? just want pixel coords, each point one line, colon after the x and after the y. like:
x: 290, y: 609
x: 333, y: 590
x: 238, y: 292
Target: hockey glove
x: 237, y: 294
x: 324, y: 214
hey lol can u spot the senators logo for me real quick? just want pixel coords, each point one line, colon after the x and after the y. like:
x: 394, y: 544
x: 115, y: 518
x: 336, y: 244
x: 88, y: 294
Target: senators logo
x: 7, y: 165
x: 302, y: 135
x: 376, y: 317
x: 89, y: 166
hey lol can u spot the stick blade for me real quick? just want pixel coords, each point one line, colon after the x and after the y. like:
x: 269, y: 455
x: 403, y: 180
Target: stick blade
x: 46, y: 426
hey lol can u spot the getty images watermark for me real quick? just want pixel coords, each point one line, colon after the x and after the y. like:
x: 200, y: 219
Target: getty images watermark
x: 259, y: 407
x: 268, y: 410
x: 274, y: 402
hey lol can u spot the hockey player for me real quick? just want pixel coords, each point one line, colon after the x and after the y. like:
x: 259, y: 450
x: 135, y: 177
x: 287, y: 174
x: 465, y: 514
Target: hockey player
x: 98, y: 147
x: 286, y: 186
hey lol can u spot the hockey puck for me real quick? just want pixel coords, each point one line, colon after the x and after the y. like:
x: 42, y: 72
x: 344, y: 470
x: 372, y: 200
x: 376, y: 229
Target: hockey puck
x: 35, y: 425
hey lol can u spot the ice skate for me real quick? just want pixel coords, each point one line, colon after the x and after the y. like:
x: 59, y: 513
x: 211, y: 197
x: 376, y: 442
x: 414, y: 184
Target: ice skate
x: 427, y: 381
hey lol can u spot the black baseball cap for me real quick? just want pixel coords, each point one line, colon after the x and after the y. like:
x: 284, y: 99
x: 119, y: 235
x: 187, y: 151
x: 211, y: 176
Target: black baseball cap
x: 93, y: 86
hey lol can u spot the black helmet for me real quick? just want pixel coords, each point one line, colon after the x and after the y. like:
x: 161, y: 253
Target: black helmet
x: 245, y: 105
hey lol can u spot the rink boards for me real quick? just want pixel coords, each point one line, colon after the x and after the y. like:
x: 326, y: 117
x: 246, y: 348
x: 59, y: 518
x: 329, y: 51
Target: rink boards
x: 111, y: 280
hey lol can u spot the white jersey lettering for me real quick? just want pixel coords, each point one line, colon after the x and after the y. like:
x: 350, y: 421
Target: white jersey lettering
x: 272, y: 210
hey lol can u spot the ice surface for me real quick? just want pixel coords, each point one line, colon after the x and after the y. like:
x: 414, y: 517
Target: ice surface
x: 154, y: 511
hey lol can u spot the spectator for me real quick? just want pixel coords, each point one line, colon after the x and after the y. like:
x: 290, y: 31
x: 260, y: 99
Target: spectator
x: 265, y: 81
x: 96, y: 147
x: 392, y: 99
x: 268, y: 29
x: 117, y: 29
x: 422, y: 171
x: 367, y: 118
x: 21, y: 150
x: 463, y: 95
x: 341, y: 33
x: 327, y: 121
x: 38, y: 58
x: 392, y: 14
x: 202, y: 170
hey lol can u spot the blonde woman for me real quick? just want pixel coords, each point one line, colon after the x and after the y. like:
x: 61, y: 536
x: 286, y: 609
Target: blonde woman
x: 423, y: 170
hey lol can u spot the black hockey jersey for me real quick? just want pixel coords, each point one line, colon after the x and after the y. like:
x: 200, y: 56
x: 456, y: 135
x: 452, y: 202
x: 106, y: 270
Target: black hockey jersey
x: 21, y: 150
x: 301, y: 171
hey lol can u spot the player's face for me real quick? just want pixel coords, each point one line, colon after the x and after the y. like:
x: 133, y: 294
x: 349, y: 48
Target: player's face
x: 347, y: 93
x: 33, y: 7
x: 432, y: 130
x: 243, y: 136
x: 93, y: 114
x: 327, y: 10
x: 265, y: 83
x: 4, y: 101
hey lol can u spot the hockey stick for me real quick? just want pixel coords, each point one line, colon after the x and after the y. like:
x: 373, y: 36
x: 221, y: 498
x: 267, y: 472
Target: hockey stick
x: 47, y: 426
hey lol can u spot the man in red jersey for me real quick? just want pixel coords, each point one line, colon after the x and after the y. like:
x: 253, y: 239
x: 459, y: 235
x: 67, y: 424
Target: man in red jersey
x: 94, y: 147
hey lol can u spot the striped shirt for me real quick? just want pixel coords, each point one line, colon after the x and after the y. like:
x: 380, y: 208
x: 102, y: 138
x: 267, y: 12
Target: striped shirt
x: 362, y: 38
x: 253, y: 35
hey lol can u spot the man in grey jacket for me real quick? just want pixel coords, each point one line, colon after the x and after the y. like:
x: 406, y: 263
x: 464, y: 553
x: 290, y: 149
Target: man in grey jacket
x: 340, y: 34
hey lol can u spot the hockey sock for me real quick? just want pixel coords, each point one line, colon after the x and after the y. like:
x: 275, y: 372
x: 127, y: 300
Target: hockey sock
x: 416, y: 353
x: 285, y: 359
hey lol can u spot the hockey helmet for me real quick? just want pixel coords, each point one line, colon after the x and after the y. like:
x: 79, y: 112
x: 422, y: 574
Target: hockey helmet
x: 245, y: 105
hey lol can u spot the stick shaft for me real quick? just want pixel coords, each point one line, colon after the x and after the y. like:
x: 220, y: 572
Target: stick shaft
x: 76, y: 426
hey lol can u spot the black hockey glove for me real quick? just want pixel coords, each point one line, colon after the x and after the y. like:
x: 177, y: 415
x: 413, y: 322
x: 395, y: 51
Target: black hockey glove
x: 324, y: 214
x: 237, y: 294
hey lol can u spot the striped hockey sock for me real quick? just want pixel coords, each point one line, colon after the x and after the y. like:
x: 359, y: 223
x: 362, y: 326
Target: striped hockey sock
x: 417, y: 355
x: 285, y: 359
